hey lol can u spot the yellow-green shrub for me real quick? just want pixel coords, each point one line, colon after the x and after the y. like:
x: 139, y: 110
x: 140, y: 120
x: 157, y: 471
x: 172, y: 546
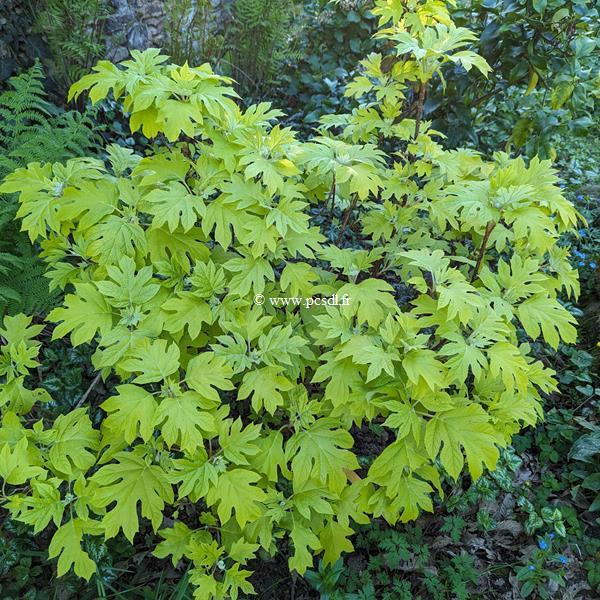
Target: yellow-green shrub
x: 244, y: 410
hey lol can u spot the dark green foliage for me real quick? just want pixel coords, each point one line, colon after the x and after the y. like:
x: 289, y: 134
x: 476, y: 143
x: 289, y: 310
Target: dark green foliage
x: 31, y: 129
x: 258, y: 43
x: 193, y: 32
x: 18, y: 43
x: 73, y: 30
x: 544, y: 76
x: 333, y: 38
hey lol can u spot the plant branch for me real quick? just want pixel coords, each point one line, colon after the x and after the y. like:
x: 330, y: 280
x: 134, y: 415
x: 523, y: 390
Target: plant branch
x: 88, y: 391
x: 486, y: 237
x: 420, y: 103
x: 331, y: 196
x: 347, y: 217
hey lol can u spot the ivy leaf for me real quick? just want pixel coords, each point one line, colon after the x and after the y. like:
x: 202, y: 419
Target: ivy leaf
x: 234, y: 492
x: 129, y: 481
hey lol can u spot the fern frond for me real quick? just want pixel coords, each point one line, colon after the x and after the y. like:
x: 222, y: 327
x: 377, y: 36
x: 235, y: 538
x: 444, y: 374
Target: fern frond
x: 31, y: 130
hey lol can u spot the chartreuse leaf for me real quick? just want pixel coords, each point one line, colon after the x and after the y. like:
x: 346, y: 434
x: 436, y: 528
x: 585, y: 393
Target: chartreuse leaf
x: 15, y: 467
x: 130, y: 413
x: 306, y: 543
x: 154, y: 361
x: 66, y: 545
x: 236, y: 443
x: 195, y: 475
x: 85, y: 313
x: 369, y: 300
x: 130, y: 481
x: 175, y: 206
x: 189, y: 311
x: 414, y: 495
x: 45, y: 505
x: 507, y: 362
x: 235, y: 492
x: 175, y: 542
x: 540, y: 313
x: 334, y: 539
x: 322, y: 452
x: 73, y: 442
x: 270, y: 458
x: 184, y: 420
x: 465, y: 428
x: 423, y: 370
x: 206, y: 373
x: 248, y: 410
x: 265, y: 385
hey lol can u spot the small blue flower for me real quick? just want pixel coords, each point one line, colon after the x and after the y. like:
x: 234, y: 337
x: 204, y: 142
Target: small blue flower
x: 582, y: 263
x: 593, y: 265
x: 551, y: 536
x: 582, y: 232
x: 579, y: 197
x: 543, y: 544
x: 531, y: 568
x: 578, y: 254
x: 563, y: 559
